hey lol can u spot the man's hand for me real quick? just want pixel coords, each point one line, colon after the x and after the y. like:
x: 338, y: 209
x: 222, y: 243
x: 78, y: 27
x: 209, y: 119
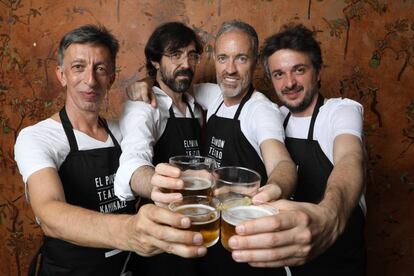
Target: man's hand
x: 154, y: 230
x: 297, y: 234
x: 141, y: 91
x: 166, y: 179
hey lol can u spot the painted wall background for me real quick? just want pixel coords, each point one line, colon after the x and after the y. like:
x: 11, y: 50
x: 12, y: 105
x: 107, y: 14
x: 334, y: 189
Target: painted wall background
x: 368, y: 49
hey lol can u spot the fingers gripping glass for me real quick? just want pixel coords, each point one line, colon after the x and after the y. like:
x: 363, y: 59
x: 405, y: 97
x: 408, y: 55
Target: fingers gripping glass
x: 178, y: 57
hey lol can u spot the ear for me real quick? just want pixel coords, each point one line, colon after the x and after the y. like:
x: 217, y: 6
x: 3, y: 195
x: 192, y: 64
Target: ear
x: 156, y: 65
x: 60, y: 75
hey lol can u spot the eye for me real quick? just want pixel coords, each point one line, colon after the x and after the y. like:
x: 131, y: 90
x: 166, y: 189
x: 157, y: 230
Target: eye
x: 242, y: 59
x: 300, y: 70
x: 277, y: 75
x: 101, y: 70
x: 77, y: 67
x: 193, y: 56
x: 221, y: 59
x: 176, y: 55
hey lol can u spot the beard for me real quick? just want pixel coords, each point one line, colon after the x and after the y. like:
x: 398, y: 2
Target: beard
x: 305, y: 103
x: 178, y: 86
x: 232, y: 92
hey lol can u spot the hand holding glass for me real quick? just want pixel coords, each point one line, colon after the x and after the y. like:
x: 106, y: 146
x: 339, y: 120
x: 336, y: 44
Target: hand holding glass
x: 204, y: 215
x: 196, y: 174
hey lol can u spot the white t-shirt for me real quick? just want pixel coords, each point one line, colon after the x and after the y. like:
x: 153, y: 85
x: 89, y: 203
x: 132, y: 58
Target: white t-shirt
x: 337, y: 116
x: 142, y: 126
x: 45, y: 145
x: 260, y: 119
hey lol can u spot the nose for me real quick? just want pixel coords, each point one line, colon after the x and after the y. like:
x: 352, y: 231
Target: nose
x: 90, y: 78
x: 185, y: 63
x: 290, y: 81
x: 230, y: 67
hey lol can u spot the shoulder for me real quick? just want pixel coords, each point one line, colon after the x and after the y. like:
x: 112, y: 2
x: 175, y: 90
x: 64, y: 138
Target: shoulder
x: 210, y: 89
x: 41, y: 132
x: 259, y: 101
x: 335, y: 105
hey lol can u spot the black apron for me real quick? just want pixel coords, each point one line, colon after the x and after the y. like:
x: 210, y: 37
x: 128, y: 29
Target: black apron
x: 347, y: 255
x: 180, y: 137
x: 229, y: 147
x: 87, y: 177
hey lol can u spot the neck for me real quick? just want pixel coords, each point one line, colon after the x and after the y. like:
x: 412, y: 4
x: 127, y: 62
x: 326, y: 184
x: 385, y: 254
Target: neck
x: 85, y: 121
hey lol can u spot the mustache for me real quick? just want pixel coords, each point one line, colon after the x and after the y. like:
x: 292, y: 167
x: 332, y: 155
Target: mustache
x: 184, y: 72
x: 234, y: 75
x: 295, y: 88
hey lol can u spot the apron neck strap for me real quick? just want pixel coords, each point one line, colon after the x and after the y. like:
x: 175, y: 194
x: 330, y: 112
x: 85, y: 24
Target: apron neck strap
x: 68, y: 128
x: 315, y: 112
x: 319, y: 103
x: 243, y: 101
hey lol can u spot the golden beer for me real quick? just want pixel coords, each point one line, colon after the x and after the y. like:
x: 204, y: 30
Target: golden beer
x: 204, y: 216
x: 194, y: 185
x: 235, y: 215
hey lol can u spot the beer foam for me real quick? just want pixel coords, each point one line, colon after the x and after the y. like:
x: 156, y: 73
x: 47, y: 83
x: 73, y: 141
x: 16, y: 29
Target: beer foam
x: 198, y: 213
x: 239, y: 214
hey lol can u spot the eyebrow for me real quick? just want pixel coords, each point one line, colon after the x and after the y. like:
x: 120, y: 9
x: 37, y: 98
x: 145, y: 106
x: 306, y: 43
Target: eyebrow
x: 294, y: 67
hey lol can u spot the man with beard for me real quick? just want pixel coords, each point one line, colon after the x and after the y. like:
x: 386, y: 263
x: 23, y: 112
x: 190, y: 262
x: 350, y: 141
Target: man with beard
x: 153, y: 135
x: 244, y: 128
x: 321, y: 233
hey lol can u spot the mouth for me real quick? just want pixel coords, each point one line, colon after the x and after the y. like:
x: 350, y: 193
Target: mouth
x: 90, y: 95
x: 230, y: 80
x: 292, y: 93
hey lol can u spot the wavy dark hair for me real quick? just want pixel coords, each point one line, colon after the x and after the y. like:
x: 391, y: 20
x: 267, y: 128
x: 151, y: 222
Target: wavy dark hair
x: 168, y: 38
x: 293, y: 37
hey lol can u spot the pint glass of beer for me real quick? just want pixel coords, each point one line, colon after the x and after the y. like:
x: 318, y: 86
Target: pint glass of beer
x: 204, y: 215
x: 238, y: 213
x: 235, y: 182
x: 196, y: 174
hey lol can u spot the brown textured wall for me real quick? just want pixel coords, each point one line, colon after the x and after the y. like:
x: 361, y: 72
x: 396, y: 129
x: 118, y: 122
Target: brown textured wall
x: 368, y: 48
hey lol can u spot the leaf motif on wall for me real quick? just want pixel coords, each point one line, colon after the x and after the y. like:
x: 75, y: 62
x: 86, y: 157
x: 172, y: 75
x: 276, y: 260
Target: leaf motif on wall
x: 399, y: 40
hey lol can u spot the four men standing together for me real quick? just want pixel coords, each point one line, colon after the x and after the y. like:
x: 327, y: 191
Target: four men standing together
x: 320, y: 232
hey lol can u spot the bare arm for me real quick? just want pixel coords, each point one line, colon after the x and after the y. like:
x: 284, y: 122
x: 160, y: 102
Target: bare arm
x: 147, y: 233
x: 280, y: 169
x: 141, y: 181
x: 303, y: 231
x: 346, y: 182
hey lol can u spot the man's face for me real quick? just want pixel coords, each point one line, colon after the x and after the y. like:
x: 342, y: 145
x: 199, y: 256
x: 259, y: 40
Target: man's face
x: 88, y: 73
x: 177, y: 68
x: 294, y: 79
x: 235, y: 63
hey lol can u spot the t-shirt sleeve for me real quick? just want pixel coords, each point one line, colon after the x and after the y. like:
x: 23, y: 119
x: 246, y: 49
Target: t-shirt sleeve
x: 206, y: 94
x: 138, y: 127
x: 347, y: 119
x: 32, y: 153
x: 265, y: 121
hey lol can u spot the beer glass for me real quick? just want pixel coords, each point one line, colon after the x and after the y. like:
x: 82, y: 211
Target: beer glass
x: 235, y: 183
x: 204, y: 215
x: 196, y: 174
x: 238, y: 213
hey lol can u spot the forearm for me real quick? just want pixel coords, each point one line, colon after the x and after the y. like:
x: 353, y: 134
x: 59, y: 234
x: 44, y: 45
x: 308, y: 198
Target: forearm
x: 84, y: 227
x: 141, y: 181
x: 344, y: 189
x: 284, y: 175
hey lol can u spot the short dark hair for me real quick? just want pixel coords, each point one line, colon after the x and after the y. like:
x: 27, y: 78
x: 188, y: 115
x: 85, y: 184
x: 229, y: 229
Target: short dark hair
x: 168, y: 38
x: 293, y: 37
x: 93, y: 34
x: 243, y: 27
